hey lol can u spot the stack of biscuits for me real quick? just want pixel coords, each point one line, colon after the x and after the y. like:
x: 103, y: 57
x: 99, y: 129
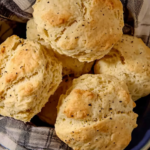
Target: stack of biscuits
x: 77, y: 71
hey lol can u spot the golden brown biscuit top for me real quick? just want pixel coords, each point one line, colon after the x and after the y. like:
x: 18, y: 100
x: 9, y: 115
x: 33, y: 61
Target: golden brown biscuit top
x: 28, y: 76
x: 56, y: 19
x: 94, y: 97
x: 79, y: 105
x: 95, y: 113
x: 129, y: 60
x: 79, y: 28
x: 134, y: 53
x: 19, y: 61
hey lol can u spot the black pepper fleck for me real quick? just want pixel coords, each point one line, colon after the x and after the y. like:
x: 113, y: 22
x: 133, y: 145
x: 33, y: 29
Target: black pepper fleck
x: 66, y: 80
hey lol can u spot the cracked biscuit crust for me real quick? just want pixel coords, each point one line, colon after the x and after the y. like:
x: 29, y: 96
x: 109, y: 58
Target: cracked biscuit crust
x: 28, y: 76
x: 129, y: 60
x: 83, y: 29
x: 96, y: 113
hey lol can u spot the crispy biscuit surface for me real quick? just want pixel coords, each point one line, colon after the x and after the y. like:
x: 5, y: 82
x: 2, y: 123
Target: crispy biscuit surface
x: 28, y: 76
x: 129, y: 60
x: 85, y: 30
x: 96, y: 113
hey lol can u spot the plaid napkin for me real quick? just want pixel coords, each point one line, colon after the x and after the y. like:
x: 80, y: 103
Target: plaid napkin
x: 15, y: 135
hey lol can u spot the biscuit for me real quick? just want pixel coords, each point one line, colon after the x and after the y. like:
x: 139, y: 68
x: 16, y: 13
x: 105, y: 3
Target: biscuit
x: 49, y: 112
x: 129, y: 60
x: 96, y: 113
x: 31, y: 31
x: 28, y: 77
x: 70, y: 65
x: 85, y: 30
x: 33, y: 35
